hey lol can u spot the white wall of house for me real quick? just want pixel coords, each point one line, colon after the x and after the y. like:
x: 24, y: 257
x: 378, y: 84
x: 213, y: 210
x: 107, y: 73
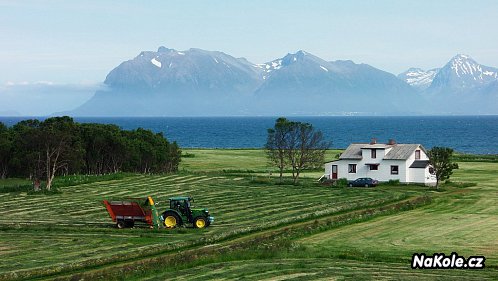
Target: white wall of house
x: 382, y: 174
x: 405, y: 173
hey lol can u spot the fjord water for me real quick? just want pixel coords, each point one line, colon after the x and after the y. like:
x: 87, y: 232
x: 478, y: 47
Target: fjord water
x: 469, y: 134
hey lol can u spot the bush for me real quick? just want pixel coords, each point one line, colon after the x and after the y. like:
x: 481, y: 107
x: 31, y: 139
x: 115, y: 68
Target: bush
x: 342, y: 182
x: 16, y: 188
x: 391, y: 183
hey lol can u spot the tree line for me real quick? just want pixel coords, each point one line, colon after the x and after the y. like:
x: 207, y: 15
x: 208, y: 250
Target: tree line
x: 296, y: 146
x: 41, y: 150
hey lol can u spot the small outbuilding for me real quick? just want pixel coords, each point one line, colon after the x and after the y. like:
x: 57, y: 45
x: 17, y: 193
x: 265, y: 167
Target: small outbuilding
x: 407, y: 163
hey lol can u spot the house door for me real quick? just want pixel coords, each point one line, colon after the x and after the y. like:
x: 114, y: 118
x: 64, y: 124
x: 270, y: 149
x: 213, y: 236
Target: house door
x: 334, y: 172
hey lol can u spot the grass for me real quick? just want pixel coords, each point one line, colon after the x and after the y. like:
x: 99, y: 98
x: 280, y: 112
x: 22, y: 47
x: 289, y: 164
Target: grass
x: 261, y: 231
x: 72, y: 229
x: 463, y: 221
x: 248, y: 161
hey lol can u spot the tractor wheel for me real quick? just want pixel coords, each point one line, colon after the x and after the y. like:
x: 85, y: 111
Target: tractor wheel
x: 171, y: 220
x: 350, y: 185
x: 366, y: 185
x: 200, y: 222
x: 120, y: 224
x: 129, y: 224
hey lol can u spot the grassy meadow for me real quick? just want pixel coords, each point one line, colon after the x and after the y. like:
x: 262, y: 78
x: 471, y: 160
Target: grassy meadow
x: 262, y: 230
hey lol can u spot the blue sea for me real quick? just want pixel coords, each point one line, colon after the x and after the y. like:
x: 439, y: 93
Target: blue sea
x: 469, y: 134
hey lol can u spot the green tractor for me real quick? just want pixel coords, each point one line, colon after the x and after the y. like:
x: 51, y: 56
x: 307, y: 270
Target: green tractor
x: 181, y: 212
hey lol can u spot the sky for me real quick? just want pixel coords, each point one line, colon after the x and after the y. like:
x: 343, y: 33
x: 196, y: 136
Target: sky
x: 60, y: 42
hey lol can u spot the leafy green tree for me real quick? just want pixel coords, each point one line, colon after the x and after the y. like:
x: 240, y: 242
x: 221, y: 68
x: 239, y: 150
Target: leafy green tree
x: 59, y: 146
x: 440, y: 159
x: 5, y: 150
x: 26, y: 156
x: 295, y: 144
x: 60, y: 149
x: 105, y: 148
x: 307, y: 148
x: 277, y: 143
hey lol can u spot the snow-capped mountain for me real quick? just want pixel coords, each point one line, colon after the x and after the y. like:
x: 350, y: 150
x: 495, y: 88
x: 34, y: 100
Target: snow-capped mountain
x: 462, y: 72
x: 419, y: 78
x: 462, y: 86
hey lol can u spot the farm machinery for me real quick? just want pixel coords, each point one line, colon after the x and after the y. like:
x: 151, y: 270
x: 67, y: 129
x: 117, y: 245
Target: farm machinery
x: 180, y: 212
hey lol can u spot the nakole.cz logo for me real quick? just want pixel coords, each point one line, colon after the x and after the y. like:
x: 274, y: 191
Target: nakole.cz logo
x: 440, y: 261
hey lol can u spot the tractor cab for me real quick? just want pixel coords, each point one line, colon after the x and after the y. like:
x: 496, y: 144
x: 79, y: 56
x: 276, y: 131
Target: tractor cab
x: 181, y: 212
x: 182, y: 206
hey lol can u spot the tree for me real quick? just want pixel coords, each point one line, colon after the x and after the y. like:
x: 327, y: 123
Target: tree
x: 60, y: 146
x: 440, y: 159
x: 296, y: 144
x: 277, y: 144
x: 307, y: 148
x: 5, y: 150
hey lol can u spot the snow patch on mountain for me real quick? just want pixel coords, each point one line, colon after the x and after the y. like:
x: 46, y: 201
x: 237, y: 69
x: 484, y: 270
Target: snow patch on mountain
x: 156, y: 62
x: 419, y: 78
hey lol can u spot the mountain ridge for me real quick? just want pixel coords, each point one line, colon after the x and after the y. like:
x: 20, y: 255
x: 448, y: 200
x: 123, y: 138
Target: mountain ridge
x: 197, y: 82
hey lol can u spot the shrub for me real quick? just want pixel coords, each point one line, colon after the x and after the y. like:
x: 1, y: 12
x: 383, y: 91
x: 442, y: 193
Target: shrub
x: 391, y: 183
x: 342, y: 182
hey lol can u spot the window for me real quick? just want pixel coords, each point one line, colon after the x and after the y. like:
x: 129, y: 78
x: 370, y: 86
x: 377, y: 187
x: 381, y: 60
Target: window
x: 374, y: 167
x: 417, y: 154
x: 394, y: 170
x: 374, y: 153
x: 352, y: 168
x: 431, y: 171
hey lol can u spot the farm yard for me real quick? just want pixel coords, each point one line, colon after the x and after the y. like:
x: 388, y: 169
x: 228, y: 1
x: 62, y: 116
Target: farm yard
x: 261, y: 231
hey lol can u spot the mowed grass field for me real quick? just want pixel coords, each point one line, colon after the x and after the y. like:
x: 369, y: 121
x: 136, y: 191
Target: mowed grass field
x: 50, y: 235
x: 465, y: 221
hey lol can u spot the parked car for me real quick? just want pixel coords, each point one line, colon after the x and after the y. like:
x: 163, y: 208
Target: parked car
x: 366, y: 182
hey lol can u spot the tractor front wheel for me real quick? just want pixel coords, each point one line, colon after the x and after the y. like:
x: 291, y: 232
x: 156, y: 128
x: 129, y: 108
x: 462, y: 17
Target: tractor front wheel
x: 200, y: 222
x: 171, y: 220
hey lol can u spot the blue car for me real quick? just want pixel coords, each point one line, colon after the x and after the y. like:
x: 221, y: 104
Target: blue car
x: 366, y: 182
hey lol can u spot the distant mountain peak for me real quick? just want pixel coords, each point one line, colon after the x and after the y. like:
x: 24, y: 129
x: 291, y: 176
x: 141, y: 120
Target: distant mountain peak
x: 163, y: 49
x: 419, y: 78
x: 463, y: 72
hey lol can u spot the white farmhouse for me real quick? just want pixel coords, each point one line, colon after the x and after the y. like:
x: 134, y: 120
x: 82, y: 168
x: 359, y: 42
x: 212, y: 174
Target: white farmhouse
x: 407, y: 163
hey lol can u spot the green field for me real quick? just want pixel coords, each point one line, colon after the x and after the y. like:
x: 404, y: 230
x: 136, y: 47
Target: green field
x: 261, y: 231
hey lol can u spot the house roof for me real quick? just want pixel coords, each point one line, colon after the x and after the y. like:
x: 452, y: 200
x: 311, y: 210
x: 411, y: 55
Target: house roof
x: 397, y: 152
x: 419, y: 164
x: 401, y: 151
x: 353, y: 151
x: 377, y: 146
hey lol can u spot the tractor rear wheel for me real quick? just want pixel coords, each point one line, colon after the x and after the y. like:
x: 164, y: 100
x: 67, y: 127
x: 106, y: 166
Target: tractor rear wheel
x: 171, y: 220
x: 200, y: 222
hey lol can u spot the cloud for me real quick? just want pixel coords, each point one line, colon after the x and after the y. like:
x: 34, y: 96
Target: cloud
x: 44, y: 97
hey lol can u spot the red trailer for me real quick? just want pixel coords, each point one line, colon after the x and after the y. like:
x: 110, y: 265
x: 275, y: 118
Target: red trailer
x: 126, y: 213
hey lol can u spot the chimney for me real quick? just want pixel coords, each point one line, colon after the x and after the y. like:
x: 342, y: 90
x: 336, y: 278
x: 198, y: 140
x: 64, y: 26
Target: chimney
x: 373, y: 141
x: 392, y: 142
